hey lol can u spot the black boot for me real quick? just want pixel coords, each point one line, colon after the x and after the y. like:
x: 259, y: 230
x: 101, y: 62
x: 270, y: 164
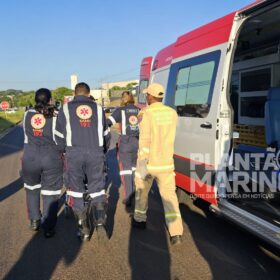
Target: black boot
x: 83, y: 230
x: 35, y: 225
x: 139, y: 225
x: 176, y: 240
x: 83, y: 227
x: 100, y: 221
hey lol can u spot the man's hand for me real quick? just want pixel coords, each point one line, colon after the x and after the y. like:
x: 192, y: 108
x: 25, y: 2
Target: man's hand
x: 143, y: 170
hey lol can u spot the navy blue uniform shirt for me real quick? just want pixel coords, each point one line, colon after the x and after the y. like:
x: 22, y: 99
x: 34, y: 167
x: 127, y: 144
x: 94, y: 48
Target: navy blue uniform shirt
x: 82, y: 124
x: 127, y: 116
x: 39, y: 130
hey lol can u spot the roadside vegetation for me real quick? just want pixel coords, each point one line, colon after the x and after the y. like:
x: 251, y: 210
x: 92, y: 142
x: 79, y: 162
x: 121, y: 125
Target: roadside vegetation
x: 18, y: 98
x: 11, y: 120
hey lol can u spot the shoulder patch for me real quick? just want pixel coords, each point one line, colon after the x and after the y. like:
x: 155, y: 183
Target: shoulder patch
x: 133, y: 120
x: 84, y: 112
x: 38, y: 121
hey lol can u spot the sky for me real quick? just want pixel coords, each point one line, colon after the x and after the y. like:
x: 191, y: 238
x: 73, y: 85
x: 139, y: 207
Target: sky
x: 43, y: 42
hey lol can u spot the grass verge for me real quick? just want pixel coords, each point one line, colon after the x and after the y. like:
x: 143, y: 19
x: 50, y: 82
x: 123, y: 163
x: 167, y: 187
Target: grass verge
x: 11, y: 119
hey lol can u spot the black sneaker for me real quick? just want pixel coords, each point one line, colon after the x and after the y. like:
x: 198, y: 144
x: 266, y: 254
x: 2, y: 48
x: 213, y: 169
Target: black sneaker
x: 35, y: 225
x: 49, y: 233
x: 140, y: 225
x: 176, y: 240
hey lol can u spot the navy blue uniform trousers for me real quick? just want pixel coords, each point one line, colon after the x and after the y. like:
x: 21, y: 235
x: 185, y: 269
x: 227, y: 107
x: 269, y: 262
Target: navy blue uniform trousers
x: 42, y: 170
x: 127, y: 156
x: 81, y: 163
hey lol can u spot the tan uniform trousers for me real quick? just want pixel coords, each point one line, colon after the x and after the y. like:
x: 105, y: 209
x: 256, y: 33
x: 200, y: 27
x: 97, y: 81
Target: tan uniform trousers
x: 167, y: 188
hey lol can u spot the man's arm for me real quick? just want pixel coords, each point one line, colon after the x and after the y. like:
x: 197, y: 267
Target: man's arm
x: 106, y: 133
x: 60, y: 130
x: 144, y: 136
x: 115, y: 117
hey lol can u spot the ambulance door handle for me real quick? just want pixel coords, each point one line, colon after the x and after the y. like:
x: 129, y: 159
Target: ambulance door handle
x: 206, y: 125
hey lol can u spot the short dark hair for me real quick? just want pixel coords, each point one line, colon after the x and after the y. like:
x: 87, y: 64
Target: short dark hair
x: 82, y: 89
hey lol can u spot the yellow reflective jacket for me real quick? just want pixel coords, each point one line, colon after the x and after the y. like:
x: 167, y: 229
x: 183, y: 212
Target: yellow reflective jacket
x: 156, y: 138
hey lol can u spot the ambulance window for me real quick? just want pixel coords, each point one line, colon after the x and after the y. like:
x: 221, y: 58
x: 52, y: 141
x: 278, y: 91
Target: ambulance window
x: 192, y: 95
x: 142, y: 97
x: 199, y: 83
x: 181, y: 87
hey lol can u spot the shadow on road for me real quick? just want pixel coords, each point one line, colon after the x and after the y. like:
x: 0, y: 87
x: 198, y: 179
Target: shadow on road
x: 40, y: 256
x: 12, y: 142
x: 114, y: 185
x: 230, y: 252
x: 11, y: 189
x: 149, y: 255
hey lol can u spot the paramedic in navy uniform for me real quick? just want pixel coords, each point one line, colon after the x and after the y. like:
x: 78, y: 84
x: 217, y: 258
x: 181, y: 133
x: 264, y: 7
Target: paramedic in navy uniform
x: 126, y: 116
x: 42, y: 164
x: 82, y: 124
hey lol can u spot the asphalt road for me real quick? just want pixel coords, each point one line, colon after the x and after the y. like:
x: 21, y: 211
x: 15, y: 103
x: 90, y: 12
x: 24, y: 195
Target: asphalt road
x: 212, y: 248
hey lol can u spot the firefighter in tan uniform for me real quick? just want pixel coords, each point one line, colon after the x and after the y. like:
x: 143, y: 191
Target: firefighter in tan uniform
x: 155, y: 161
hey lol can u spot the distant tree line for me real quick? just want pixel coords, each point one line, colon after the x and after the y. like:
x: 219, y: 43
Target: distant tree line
x: 127, y: 87
x: 18, y: 98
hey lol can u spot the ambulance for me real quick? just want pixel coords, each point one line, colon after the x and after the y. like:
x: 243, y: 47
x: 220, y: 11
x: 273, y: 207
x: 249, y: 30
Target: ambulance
x: 145, y: 72
x: 223, y: 79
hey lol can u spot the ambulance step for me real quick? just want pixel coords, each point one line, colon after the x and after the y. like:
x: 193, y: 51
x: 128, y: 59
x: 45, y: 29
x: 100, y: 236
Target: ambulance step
x: 252, y: 223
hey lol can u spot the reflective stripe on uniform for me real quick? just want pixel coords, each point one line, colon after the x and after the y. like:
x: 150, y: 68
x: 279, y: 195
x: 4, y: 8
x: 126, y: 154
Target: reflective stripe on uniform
x: 112, y: 120
x: 96, y: 194
x: 146, y: 150
x: 172, y: 215
x: 123, y: 123
x: 126, y: 172
x: 100, y: 125
x: 140, y: 211
x: 53, y: 128
x: 75, y: 194
x: 32, y: 187
x: 68, y: 125
x: 156, y: 109
x: 57, y: 133
x: 162, y: 167
x: 107, y: 131
x: 133, y: 168
x: 47, y: 192
x: 25, y: 135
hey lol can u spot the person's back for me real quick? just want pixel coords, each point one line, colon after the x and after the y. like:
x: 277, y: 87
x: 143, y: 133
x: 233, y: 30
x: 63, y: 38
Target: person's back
x: 42, y: 166
x: 38, y: 130
x: 82, y: 124
x: 155, y: 161
x: 163, y: 120
x: 126, y: 116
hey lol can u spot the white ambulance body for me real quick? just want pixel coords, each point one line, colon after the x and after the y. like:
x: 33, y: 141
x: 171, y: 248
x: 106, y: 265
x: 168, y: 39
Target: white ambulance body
x: 223, y: 79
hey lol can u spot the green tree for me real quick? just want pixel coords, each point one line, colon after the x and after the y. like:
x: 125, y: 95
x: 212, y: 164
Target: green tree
x: 59, y: 93
x: 130, y: 85
x: 116, y: 88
